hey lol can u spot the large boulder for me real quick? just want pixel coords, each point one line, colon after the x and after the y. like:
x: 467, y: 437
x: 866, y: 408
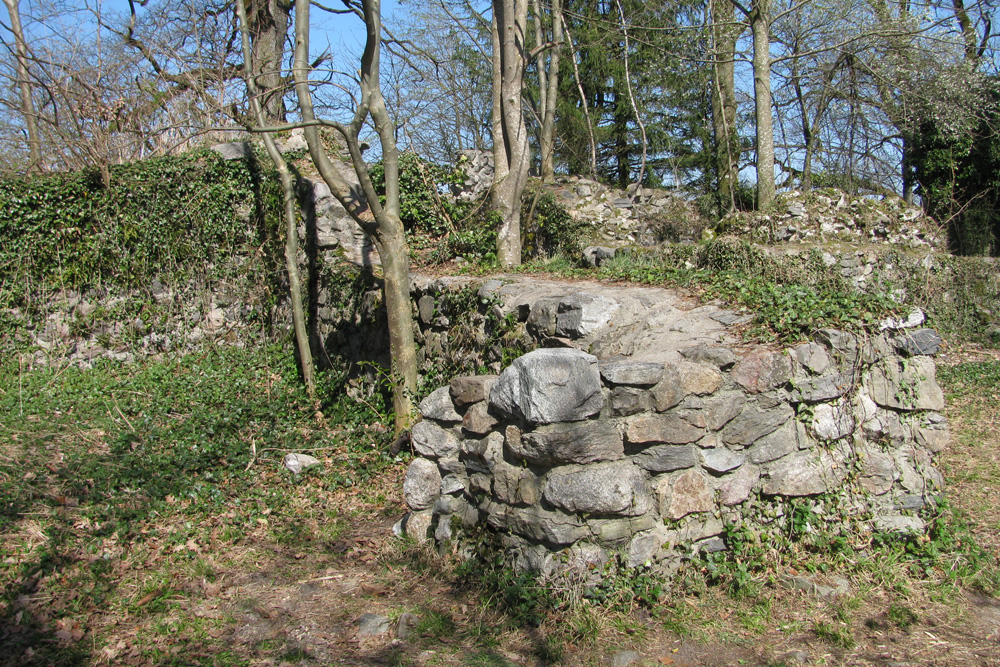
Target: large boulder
x: 549, y: 385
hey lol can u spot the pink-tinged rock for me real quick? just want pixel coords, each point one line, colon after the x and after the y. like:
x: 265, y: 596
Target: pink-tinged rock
x: 762, y: 370
x: 688, y: 493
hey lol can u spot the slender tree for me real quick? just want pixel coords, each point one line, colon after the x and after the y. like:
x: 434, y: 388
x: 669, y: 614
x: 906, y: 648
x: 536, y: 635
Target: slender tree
x: 381, y: 222
x: 511, y: 153
x: 288, y: 183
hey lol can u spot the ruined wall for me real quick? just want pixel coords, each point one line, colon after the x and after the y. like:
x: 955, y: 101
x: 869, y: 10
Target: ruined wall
x: 571, y: 457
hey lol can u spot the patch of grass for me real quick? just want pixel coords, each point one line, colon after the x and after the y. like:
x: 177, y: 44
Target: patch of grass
x: 836, y: 633
x: 435, y: 624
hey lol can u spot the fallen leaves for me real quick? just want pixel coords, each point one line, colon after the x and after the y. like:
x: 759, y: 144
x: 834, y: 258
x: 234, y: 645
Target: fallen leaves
x: 69, y: 631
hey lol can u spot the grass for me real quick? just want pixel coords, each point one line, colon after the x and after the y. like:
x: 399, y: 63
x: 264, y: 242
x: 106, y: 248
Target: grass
x: 147, y: 520
x: 130, y: 490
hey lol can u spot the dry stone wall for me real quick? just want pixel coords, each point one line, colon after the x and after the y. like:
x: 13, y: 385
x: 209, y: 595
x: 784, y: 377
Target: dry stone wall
x: 669, y: 432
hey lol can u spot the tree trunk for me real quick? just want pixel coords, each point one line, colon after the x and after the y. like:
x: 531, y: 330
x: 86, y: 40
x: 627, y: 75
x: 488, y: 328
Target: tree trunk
x: 27, y: 103
x: 291, y: 226
x: 267, y: 21
x: 510, y: 134
x: 380, y: 222
x: 724, y: 36
x: 548, y: 86
x: 760, y: 26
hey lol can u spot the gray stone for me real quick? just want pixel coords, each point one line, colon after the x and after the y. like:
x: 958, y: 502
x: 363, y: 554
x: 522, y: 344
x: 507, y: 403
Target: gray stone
x: 581, y: 314
x: 478, y: 420
x: 710, y: 545
x: 489, y: 289
x: 515, y: 485
x: 814, y: 357
x: 688, y: 493
x: 417, y: 525
x: 422, y: 484
x: 481, y: 454
x: 541, y: 320
x: 615, y: 487
x: 438, y: 405
x: 720, y: 459
x: 371, y: 625
x: 842, y: 345
x: 918, y: 341
x: 432, y: 441
x: 933, y: 438
x: 234, y: 150
x: 721, y: 357
x: 596, y: 255
x: 878, y: 473
x: 627, y: 401
x: 754, y: 423
x: 406, y: 624
x: 556, y: 444
x: 634, y: 373
x: 667, y: 428
x: 664, y: 458
x: 624, y: 658
x: 737, y: 487
x: 900, y: 524
x: 538, y: 524
x: 549, y: 385
x: 911, y: 503
x: 804, y: 474
x: 817, y: 585
x: 648, y: 546
x: 669, y: 391
x: 906, y: 385
x: 425, y: 308
x: 720, y: 409
x: 761, y: 370
x: 299, y: 462
x: 832, y: 422
x: 452, y: 484
x: 620, y: 530
x: 821, y: 388
x: 914, y: 319
x: 469, y: 389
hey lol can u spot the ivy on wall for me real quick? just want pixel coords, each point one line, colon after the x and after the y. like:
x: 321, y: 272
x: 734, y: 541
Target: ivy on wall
x: 160, y: 216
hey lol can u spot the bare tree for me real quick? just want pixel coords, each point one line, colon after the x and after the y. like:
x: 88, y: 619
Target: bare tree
x: 724, y: 33
x: 510, y: 133
x: 288, y: 183
x: 380, y: 222
x: 547, y: 64
x: 24, y: 86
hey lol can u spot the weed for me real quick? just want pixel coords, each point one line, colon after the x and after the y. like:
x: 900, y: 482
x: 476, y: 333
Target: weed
x: 435, y: 624
x: 835, y: 633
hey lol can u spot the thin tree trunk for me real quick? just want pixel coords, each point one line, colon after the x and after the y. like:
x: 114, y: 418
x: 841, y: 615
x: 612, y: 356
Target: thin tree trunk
x: 583, y: 100
x: 631, y: 99
x: 291, y: 227
x: 27, y: 103
x: 548, y: 85
x: 760, y: 26
x: 381, y: 223
x: 510, y: 145
x: 724, y: 102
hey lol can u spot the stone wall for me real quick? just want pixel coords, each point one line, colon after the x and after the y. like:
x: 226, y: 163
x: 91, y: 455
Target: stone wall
x: 571, y: 457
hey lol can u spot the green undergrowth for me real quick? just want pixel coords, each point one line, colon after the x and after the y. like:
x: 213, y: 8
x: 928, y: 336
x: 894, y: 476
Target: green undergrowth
x: 746, y: 582
x: 120, y: 482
